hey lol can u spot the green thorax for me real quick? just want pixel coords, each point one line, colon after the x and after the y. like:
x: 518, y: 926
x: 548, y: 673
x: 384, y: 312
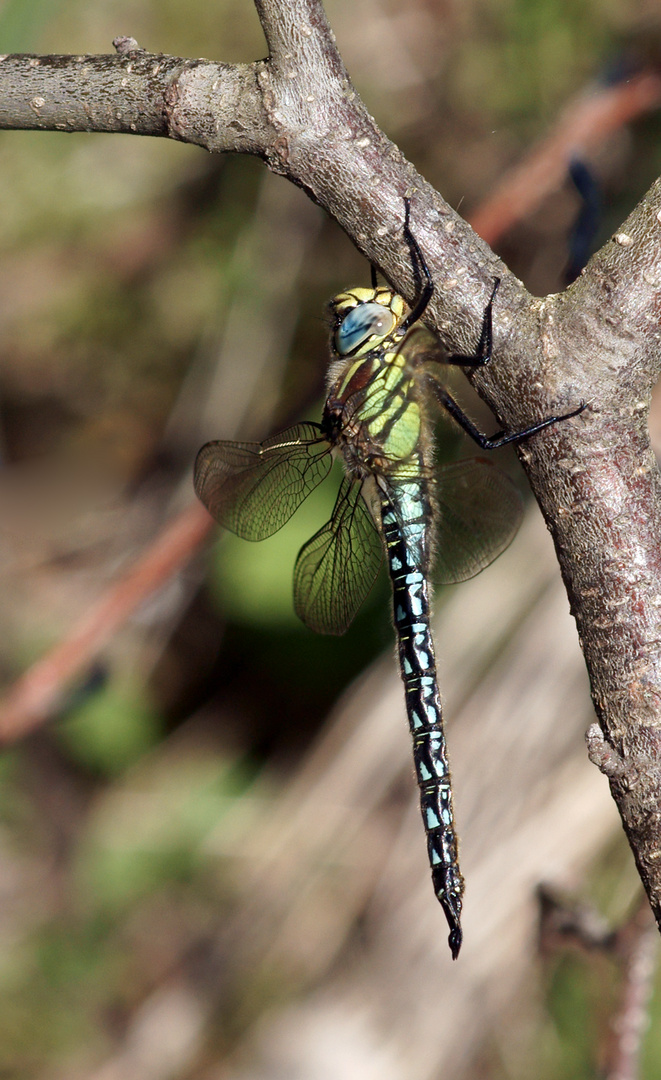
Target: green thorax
x: 374, y: 413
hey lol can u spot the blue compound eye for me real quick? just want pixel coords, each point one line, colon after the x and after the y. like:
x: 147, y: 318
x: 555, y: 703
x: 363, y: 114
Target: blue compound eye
x: 362, y: 323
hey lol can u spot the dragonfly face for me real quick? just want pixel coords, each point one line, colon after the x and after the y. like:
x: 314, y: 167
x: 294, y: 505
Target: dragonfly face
x: 364, y: 319
x: 381, y: 376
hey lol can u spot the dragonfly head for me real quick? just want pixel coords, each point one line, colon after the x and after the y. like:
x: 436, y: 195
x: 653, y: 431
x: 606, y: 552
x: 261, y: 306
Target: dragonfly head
x: 362, y: 319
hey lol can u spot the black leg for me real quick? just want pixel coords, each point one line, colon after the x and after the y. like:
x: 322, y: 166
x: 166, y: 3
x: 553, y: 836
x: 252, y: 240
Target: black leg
x: 420, y: 270
x: 501, y: 438
x: 482, y: 354
x: 375, y: 282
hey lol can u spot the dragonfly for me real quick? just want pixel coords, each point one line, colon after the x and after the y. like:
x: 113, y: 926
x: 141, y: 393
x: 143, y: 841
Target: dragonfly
x: 442, y: 523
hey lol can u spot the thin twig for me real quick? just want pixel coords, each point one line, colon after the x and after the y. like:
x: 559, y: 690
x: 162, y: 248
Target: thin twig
x: 584, y: 124
x: 636, y: 946
x: 37, y: 693
x: 563, y: 922
x: 638, y: 942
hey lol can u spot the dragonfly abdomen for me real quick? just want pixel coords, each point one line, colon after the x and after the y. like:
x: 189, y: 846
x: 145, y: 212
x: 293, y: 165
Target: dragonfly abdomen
x: 405, y: 545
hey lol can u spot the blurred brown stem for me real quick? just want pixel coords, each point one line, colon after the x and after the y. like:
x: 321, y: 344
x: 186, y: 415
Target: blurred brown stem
x: 595, y: 477
x: 36, y: 695
x: 585, y: 123
x: 638, y: 944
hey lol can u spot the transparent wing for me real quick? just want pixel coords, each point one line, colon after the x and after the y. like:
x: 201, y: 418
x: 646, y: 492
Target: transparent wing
x: 479, y: 513
x: 336, y: 569
x: 254, y: 488
x: 422, y: 344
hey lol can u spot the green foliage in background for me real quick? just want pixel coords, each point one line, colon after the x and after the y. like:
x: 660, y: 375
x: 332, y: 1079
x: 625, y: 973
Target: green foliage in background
x: 111, y: 729
x: 22, y: 23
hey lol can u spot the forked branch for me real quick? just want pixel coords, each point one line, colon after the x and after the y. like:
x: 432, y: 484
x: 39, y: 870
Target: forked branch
x: 595, y: 476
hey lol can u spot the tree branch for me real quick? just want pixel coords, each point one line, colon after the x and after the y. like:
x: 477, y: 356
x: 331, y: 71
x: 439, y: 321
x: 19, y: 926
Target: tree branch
x: 135, y: 93
x: 595, y: 476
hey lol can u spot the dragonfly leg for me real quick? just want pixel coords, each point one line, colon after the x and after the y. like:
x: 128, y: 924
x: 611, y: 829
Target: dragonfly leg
x: 421, y: 271
x: 482, y: 354
x: 501, y: 438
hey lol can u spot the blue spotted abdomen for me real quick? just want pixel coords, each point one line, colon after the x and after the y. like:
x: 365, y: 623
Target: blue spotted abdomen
x: 406, y: 535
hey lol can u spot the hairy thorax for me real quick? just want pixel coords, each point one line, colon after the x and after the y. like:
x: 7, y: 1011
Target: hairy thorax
x: 373, y: 417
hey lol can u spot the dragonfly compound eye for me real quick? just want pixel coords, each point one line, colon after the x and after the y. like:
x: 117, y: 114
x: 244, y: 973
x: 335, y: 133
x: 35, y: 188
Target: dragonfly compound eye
x: 362, y: 323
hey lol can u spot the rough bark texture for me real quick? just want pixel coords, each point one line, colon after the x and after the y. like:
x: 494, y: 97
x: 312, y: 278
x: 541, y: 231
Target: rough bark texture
x: 594, y: 476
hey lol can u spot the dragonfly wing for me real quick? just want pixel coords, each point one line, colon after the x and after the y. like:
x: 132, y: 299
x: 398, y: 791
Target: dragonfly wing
x: 254, y: 488
x: 336, y: 569
x: 479, y: 513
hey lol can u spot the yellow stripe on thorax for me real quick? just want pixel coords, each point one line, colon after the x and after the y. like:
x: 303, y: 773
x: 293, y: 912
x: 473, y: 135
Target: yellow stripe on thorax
x: 392, y: 417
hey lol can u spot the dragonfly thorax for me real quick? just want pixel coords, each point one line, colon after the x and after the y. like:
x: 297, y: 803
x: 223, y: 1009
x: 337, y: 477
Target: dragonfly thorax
x: 350, y: 438
x: 373, y: 417
x: 369, y: 384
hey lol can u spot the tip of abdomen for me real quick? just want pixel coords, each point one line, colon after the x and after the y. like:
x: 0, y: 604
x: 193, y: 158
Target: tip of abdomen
x: 455, y: 939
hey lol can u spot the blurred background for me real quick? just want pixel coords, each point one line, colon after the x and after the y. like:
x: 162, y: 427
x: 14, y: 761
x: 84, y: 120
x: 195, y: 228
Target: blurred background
x: 211, y: 859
